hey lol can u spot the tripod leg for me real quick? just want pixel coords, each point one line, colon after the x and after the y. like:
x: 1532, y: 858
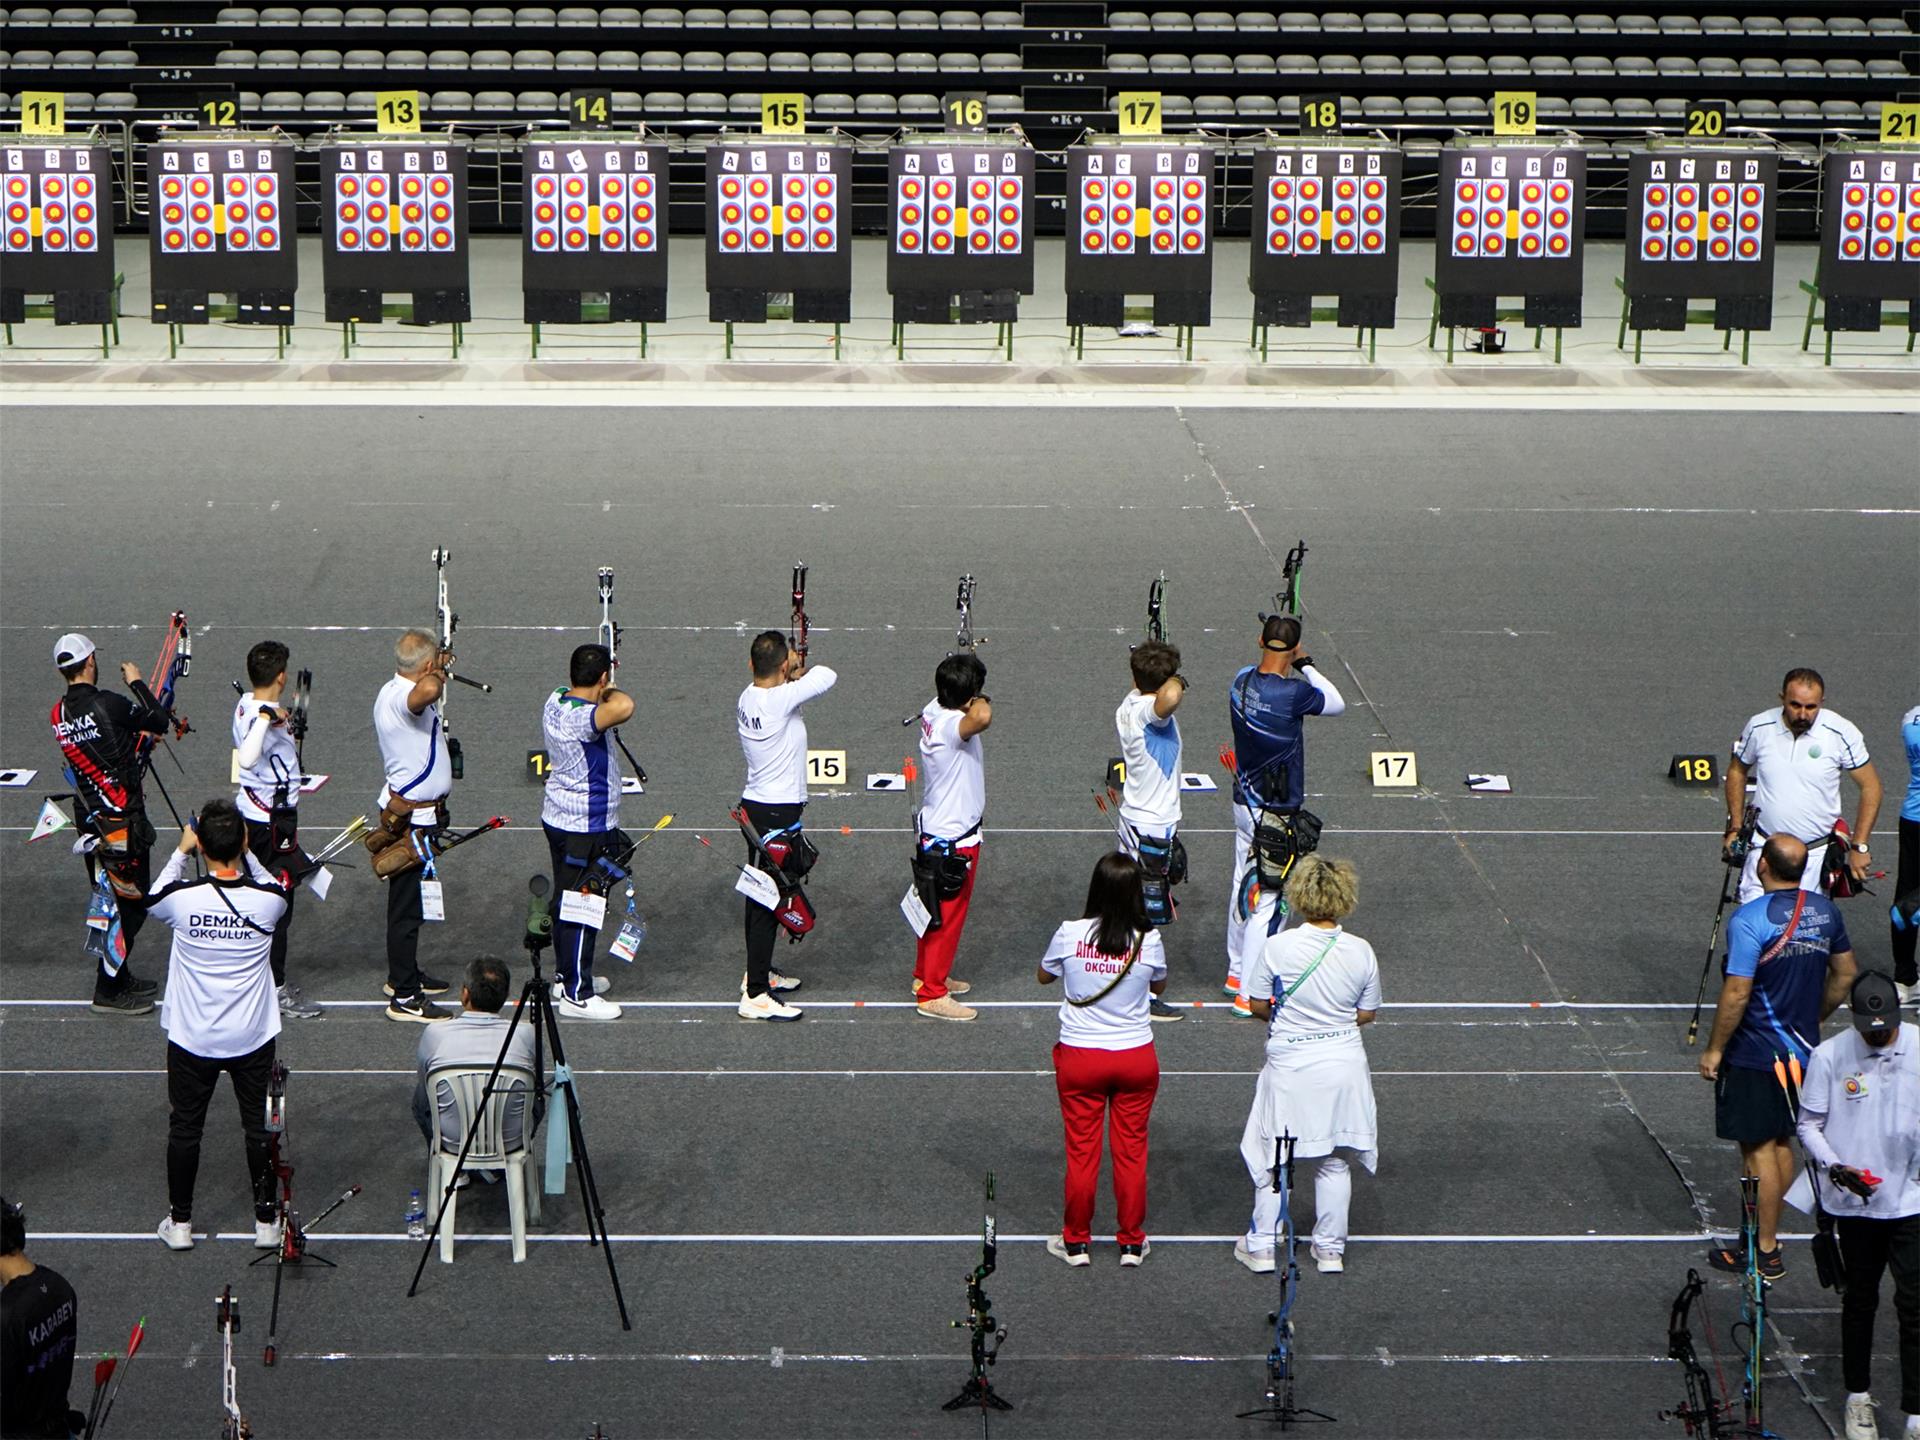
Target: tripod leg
x: 589, y: 1191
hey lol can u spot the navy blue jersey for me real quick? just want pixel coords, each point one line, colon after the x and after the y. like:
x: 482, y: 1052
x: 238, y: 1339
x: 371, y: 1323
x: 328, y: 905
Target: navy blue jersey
x: 1270, y: 754
x: 1783, y: 1015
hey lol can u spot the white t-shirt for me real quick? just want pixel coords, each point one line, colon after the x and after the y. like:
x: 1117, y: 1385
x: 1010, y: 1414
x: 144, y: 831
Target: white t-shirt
x: 956, y: 787
x: 773, y: 737
x: 1348, y: 979
x: 1797, y: 777
x: 583, y: 774
x: 1150, y: 748
x: 277, y: 763
x: 220, y: 1000
x: 1121, y: 1021
x: 413, y: 749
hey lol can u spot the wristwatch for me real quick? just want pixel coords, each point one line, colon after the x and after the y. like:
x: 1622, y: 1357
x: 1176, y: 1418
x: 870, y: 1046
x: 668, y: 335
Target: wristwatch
x: 1863, y: 849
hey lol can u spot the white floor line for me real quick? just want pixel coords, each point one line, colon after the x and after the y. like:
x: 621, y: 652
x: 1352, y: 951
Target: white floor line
x: 688, y: 831
x: 997, y: 1004
x: 912, y: 1074
x: 972, y: 1237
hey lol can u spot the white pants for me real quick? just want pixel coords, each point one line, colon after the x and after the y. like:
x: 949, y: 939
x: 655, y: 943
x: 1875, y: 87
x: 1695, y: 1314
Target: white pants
x: 1750, y: 869
x: 1332, y: 1194
x: 1246, y: 936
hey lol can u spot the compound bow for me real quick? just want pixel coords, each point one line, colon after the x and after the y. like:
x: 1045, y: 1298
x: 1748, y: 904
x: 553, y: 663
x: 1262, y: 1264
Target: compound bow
x: 986, y: 1334
x: 1156, y: 608
x: 797, y: 626
x: 1288, y: 599
x: 610, y: 632
x: 448, y: 623
x: 1704, y: 1414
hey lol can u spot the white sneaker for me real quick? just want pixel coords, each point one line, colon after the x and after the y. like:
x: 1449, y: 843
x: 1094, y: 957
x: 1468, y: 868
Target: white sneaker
x: 266, y: 1234
x: 1860, y: 1422
x: 1328, y: 1262
x: 765, y: 1007
x: 591, y: 1008
x: 777, y: 984
x: 175, y: 1234
x: 601, y: 984
x: 1260, y: 1262
x: 1908, y: 994
x: 1074, y: 1254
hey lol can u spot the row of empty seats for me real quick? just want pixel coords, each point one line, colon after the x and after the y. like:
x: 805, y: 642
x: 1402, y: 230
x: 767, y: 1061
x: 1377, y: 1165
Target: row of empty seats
x: 69, y: 15
x: 656, y: 105
x: 68, y: 59
x: 537, y: 16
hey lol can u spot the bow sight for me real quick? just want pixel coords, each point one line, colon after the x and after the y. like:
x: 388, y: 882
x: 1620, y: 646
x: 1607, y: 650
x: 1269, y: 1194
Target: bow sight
x: 797, y: 625
x: 986, y: 1333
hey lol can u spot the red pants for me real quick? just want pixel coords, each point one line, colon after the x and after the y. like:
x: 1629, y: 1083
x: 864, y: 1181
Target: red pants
x: 933, y: 955
x: 1117, y: 1086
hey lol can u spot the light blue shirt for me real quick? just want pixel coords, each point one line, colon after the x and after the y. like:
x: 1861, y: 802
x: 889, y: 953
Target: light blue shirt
x: 1910, y: 735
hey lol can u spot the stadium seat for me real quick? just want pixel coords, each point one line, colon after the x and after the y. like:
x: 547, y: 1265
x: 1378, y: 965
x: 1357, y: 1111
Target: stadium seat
x: 1768, y: 25
x: 1302, y: 21
x: 535, y: 17
x: 1761, y: 67
x: 873, y: 20
x: 831, y: 61
x: 663, y: 102
x: 1595, y: 25
x: 1800, y: 110
x: 916, y: 20
x: 626, y: 60
x: 876, y: 107
x: 72, y: 60
x: 1425, y: 107
x: 1801, y: 67
x: 746, y: 60
x: 1718, y: 67
x: 659, y: 59
x: 1340, y: 22
x: 1213, y: 20
x: 1212, y: 107
x: 323, y: 59
x: 365, y: 17
x: 1636, y: 108
x: 1127, y: 63
x: 919, y: 104
x: 1508, y: 65
x: 1679, y: 25
x: 1633, y: 66
x: 324, y: 102
x: 958, y: 20
x: 325, y: 17
x: 1256, y: 107
x: 279, y: 15
x: 1721, y: 25
x: 1129, y: 20
x: 288, y: 101
x: 1508, y: 22
x: 533, y: 59
x: 576, y: 60
x: 447, y: 17
x: 832, y: 104
x: 1296, y: 65
x: 1880, y: 69
x: 78, y: 102
x: 1466, y: 23
x: 1466, y: 107
x: 1172, y: 20
x: 1592, y: 65
x: 1175, y: 107
x: 1381, y: 65
x: 1339, y: 64
x: 662, y: 18
x: 1466, y: 65
x: 235, y: 60
x: 705, y: 19
x: 706, y: 102
x: 237, y: 15
x: 1846, y: 68
x: 833, y: 20
x: 1553, y: 108
x: 450, y: 102
x: 74, y: 15
x: 407, y: 15
x: 1553, y: 23
x: 1670, y: 107
x: 355, y: 60
x: 784, y: 60
x: 959, y: 62
x: 1426, y: 22
x: 1592, y: 107
x: 743, y: 106
x: 1212, y: 65
x: 1253, y: 22
x: 747, y: 18
x: 1424, y: 65
x: 703, y: 60
x: 621, y: 15
x: 1753, y: 110
x: 1253, y: 64
x: 1842, y: 112
x: 491, y: 15
x: 1000, y: 61
x: 491, y: 60
x: 406, y: 59
x: 1003, y: 20
x: 789, y: 20
x: 578, y: 17
x: 1382, y: 107
x: 1851, y: 25
x: 1677, y: 67
x: 1877, y: 25
x: 493, y: 102
x: 279, y: 59
x: 115, y: 102
x: 1638, y: 25
x: 1383, y: 23
x: 33, y: 16
x: 916, y: 62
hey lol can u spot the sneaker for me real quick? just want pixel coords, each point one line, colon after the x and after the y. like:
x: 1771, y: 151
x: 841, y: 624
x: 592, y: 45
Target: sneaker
x: 1328, y: 1262
x: 954, y: 987
x: 1132, y: 1255
x: 1733, y: 1260
x: 1230, y: 986
x: 175, y: 1234
x: 601, y: 984
x: 1160, y: 1010
x: 266, y: 1234
x: 945, y: 1008
x: 292, y: 1007
x: 416, y: 1008
x: 1908, y: 994
x: 1241, y: 1009
x: 1075, y: 1254
x: 591, y: 1008
x: 765, y: 1007
x: 134, y: 983
x: 428, y: 985
x: 1860, y: 1422
x: 126, y: 1001
x: 777, y: 983
x: 1260, y: 1262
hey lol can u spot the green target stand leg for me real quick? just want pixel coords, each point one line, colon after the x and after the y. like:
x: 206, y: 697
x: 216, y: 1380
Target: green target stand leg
x: 1007, y: 329
x: 729, y: 351
x: 285, y: 334
x: 173, y: 342
x: 1813, y: 299
x: 836, y: 340
x: 459, y: 333
x: 899, y: 341
x: 1078, y: 335
x: 346, y: 340
x: 643, y: 339
x: 535, y: 327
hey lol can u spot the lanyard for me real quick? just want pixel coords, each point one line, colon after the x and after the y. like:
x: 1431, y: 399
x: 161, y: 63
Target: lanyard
x: 1294, y: 989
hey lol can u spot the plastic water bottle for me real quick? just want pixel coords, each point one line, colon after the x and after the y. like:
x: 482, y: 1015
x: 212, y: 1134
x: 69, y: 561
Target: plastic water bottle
x: 416, y: 1217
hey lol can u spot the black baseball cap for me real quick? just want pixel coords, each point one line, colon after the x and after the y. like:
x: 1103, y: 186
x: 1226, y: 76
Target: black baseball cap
x: 1875, y: 1003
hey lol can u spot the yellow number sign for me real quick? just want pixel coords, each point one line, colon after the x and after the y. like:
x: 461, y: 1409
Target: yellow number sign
x: 43, y: 112
x: 1514, y: 112
x: 783, y: 114
x: 397, y: 112
x: 1138, y: 111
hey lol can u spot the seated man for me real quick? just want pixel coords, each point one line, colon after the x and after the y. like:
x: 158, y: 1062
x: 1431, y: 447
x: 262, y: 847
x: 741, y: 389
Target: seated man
x: 473, y: 1037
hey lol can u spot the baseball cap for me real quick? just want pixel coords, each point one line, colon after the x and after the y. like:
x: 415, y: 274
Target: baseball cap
x: 1875, y: 1003
x: 71, y: 649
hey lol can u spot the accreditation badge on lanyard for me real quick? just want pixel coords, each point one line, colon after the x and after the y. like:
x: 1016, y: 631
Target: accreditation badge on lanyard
x: 433, y: 900
x: 632, y: 931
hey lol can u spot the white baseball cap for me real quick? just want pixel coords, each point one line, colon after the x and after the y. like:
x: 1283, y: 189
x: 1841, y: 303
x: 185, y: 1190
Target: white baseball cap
x: 71, y: 649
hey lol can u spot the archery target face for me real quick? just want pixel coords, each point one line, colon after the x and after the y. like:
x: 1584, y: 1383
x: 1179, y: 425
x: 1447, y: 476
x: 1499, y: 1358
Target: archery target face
x: 1150, y: 207
x: 595, y: 200
x: 1880, y: 214
x: 212, y: 205
x: 1504, y: 207
x: 1704, y: 212
x: 63, y: 209
x: 954, y: 213
x: 1310, y: 213
x: 394, y: 200
x: 783, y: 210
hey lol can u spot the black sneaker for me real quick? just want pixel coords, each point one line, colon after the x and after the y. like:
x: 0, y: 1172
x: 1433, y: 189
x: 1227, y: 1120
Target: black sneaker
x: 123, y: 1001
x: 1160, y: 1010
x: 1733, y: 1260
x: 134, y: 983
x: 416, y: 1008
x: 428, y: 986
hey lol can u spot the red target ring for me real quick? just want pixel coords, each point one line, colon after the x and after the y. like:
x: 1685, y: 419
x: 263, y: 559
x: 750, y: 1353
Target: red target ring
x: 1092, y: 240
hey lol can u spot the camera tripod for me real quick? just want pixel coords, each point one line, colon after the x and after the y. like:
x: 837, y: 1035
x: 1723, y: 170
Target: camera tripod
x: 292, y: 1249
x: 536, y: 997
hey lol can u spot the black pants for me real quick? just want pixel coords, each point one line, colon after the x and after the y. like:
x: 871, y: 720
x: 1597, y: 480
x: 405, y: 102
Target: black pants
x: 762, y: 928
x: 573, y: 944
x: 1906, y: 882
x: 190, y: 1082
x: 260, y: 843
x: 1870, y: 1246
x: 135, y: 866
x: 403, y: 932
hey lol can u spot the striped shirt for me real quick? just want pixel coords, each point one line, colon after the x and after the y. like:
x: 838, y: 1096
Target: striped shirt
x: 276, y: 763
x: 413, y: 749
x: 583, y: 774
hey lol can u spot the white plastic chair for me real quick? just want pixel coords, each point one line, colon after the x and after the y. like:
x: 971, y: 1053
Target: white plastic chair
x: 489, y: 1150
